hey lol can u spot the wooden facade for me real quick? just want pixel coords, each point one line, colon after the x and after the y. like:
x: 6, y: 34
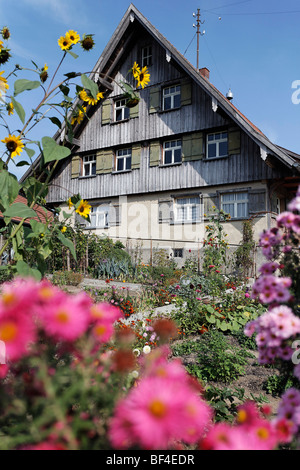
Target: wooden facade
x: 252, y: 162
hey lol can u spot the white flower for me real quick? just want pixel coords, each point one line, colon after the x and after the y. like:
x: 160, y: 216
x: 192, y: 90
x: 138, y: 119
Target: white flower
x: 137, y: 352
x: 146, y: 349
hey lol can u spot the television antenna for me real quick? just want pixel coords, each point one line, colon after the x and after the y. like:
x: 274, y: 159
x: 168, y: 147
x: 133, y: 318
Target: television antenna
x: 199, y: 33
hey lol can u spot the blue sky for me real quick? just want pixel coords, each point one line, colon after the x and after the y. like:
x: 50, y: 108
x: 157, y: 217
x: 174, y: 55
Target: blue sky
x: 251, y: 46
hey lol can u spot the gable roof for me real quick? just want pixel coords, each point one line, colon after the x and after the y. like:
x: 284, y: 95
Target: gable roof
x: 113, y: 51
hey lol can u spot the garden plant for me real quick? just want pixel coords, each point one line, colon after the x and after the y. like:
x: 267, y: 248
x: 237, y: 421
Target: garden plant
x: 70, y: 375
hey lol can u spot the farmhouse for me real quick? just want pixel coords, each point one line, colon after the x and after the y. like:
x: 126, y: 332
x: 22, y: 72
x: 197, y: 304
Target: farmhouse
x: 153, y: 172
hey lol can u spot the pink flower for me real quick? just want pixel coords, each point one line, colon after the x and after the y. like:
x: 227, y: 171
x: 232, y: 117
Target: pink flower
x: 68, y: 318
x: 247, y: 295
x: 17, y: 331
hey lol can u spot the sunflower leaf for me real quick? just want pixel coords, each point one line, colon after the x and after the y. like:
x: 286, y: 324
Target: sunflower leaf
x: 9, y: 188
x: 52, y: 151
x: 18, y: 209
x: 19, y: 109
x: 65, y: 241
x: 24, y: 84
x: 75, y: 56
x: 24, y: 270
x: 90, y: 85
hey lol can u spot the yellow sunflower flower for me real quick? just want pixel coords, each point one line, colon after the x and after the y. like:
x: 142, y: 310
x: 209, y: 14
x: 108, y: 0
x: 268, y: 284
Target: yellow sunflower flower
x: 64, y: 43
x: 143, y: 78
x: 73, y: 36
x: 83, y: 209
x: 10, y: 109
x: 63, y: 229
x: 1, y: 45
x: 84, y: 96
x: 70, y: 203
x: 78, y: 116
x: 3, y: 84
x: 136, y: 70
x: 13, y: 144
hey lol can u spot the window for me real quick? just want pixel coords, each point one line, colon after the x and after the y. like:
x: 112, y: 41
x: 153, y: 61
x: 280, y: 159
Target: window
x: 235, y: 204
x: 217, y: 145
x: 147, y: 56
x: 178, y: 252
x: 121, y: 110
x: 171, y: 97
x: 123, y: 160
x: 187, y: 209
x: 89, y: 165
x: 99, y: 216
x: 172, y: 152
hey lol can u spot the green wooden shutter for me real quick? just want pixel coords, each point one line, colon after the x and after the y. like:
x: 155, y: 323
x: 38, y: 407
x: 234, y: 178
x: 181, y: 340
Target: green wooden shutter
x: 134, y: 112
x: 234, y: 141
x: 155, y: 153
x: 192, y: 146
x: 104, y: 161
x: 75, y: 166
x: 154, y: 100
x: 257, y: 201
x: 186, y: 93
x: 135, y: 156
x: 210, y: 200
x: 106, y: 112
x: 114, y: 215
x: 165, y: 210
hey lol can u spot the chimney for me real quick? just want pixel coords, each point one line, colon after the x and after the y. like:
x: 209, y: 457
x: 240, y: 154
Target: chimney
x: 204, y: 72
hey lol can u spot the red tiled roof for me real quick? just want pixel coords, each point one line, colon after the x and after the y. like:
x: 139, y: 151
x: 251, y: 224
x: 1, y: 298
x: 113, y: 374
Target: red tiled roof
x: 41, y: 216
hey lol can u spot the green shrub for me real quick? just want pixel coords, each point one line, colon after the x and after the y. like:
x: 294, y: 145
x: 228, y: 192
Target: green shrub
x: 217, y: 359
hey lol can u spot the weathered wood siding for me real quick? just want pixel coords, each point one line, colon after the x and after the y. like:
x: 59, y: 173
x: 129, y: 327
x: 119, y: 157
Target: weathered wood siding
x: 148, y: 127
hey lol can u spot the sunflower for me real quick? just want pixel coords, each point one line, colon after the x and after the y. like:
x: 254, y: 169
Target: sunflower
x: 3, y: 84
x: 73, y: 36
x: 83, y: 209
x: 5, y: 33
x: 87, y: 43
x: 135, y: 70
x: 63, y: 229
x: 10, y: 108
x: 84, y: 96
x: 13, y: 144
x: 64, y: 43
x: 143, y: 78
x: 78, y: 116
x: 1, y: 45
x: 70, y: 203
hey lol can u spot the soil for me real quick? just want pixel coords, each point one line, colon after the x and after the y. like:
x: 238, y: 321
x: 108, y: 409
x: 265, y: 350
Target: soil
x: 252, y: 381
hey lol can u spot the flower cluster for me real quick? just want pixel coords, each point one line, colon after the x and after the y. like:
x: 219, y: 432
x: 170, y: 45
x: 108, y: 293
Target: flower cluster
x: 164, y: 408
x: 252, y: 431
x: 71, y: 38
x: 274, y: 328
x: 28, y: 308
x: 269, y: 288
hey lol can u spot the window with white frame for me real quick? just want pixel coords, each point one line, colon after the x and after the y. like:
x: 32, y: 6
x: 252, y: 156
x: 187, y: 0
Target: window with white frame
x: 123, y: 159
x: 172, y: 152
x: 235, y: 204
x: 89, y: 165
x: 187, y: 209
x: 217, y: 145
x: 171, y: 97
x: 121, y: 110
x: 99, y: 216
x: 146, y: 56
